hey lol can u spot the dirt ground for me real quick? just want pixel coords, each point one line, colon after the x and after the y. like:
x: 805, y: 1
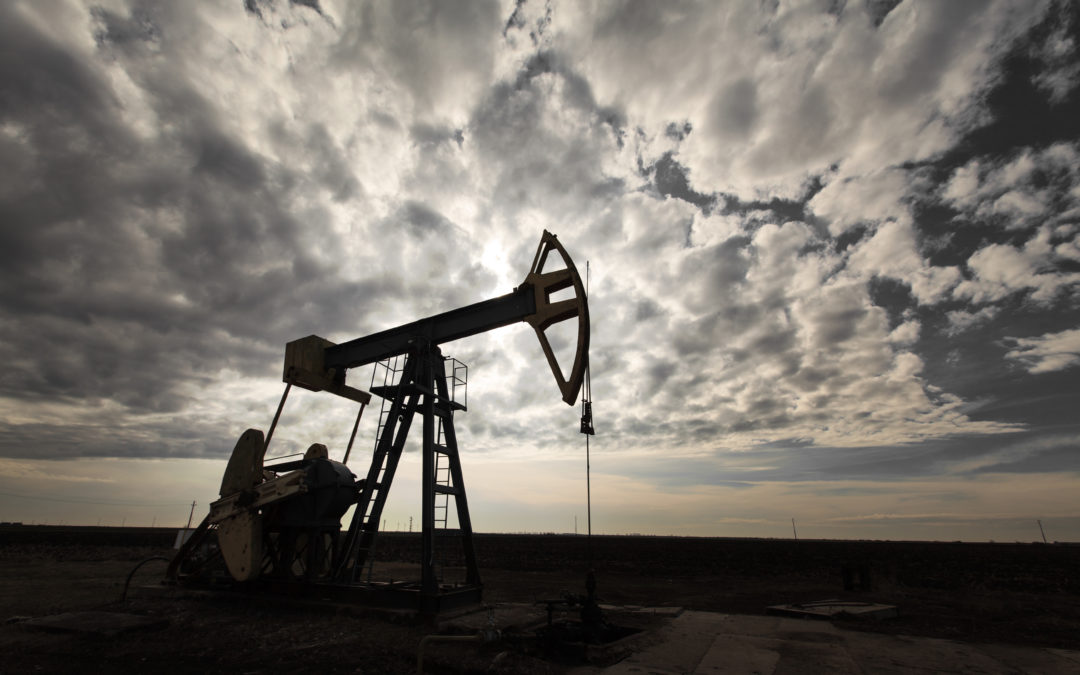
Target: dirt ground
x: 1022, y: 596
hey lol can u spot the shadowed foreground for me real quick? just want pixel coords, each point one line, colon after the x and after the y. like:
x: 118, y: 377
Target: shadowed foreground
x: 1011, y: 594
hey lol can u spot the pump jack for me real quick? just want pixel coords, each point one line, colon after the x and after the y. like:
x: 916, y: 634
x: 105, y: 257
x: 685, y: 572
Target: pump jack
x: 278, y: 527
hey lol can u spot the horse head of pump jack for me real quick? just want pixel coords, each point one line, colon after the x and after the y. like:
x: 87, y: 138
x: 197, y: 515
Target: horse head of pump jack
x: 320, y: 365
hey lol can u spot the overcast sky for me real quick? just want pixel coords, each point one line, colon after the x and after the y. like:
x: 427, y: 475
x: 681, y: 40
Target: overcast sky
x: 834, y: 252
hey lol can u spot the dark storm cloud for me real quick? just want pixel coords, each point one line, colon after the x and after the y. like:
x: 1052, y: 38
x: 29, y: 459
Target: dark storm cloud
x: 670, y: 180
x: 678, y: 132
x: 176, y: 437
x: 252, y: 6
x: 541, y: 167
x: 799, y: 461
x: 735, y: 109
x: 1020, y: 113
x: 879, y: 9
x: 134, y: 266
x: 423, y: 221
x: 1001, y: 215
x: 330, y: 165
x: 1061, y: 458
x: 426, y: 134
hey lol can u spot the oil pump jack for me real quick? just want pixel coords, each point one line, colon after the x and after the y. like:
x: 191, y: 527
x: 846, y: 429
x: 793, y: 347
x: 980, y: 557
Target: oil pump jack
x: 277, y: 527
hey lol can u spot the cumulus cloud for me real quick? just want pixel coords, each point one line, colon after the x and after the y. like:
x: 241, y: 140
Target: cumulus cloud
x: 1030, y: 189
x: 1047, y: 353
x: 893, y: 252
x: 797, y: 88
x: 961, y: 320
x: 999, y: 270
x: 1062, y: 72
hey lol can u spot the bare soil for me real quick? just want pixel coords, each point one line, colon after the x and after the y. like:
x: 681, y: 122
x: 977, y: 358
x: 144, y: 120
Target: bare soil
x: 1000, y: 593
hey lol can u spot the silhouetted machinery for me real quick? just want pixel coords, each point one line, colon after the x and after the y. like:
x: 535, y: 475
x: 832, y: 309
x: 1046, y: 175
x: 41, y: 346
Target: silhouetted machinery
x: 279, y: 527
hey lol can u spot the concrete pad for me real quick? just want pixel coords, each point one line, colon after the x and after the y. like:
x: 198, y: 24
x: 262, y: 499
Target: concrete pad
x: 1068, y: 655
x: 704, y: 642
x: 740, y: 654
x: 678, y: 647
x: 1025, y: 660
x: 826, y: 609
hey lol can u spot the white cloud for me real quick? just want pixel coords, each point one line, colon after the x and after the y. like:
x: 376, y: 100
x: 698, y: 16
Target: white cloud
x: 1047, y: 353
x: 1028, y: 190
x: 906, y: 333
x: 893, y: 252
x: 876, y: 198
x: 781, y: 93
x: 1000, y: 270
x: 1062, y: 75
x: 962, y: 320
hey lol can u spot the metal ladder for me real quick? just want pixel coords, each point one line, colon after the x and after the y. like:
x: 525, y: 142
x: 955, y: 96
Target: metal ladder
x: 390, y: 370
x: 391, y: 375
x: 456, y: 380
x: 457, y: 383
x: 442, y: 477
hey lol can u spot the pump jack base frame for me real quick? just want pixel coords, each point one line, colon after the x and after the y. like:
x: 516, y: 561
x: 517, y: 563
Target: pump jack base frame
x: 395, y: 595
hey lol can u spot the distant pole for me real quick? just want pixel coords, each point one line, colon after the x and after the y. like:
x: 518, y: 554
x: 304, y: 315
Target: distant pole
x: 191, y: 515
x: 1041, y: 531
x: 154, y: 523
x: 410, y: 524
x: 575, y: 523
x: 793, y: 530
x: 384, y: 524
x: 588, y: 496
x: 123, y: 523
x: 587, y: 429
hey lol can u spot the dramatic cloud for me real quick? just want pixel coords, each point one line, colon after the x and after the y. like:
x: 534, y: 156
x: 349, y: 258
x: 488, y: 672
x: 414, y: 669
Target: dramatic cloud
x: 834, y: 248
x: 1055, y: 351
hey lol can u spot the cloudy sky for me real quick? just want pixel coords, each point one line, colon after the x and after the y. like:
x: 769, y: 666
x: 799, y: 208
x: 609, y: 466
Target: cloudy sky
x: 834, y: 251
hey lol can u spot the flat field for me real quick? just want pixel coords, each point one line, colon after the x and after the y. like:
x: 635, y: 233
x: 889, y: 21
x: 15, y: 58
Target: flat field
x: 1026, y: 594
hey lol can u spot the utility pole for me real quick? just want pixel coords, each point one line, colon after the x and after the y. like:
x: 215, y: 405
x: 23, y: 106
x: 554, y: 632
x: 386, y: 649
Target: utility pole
x: 1041, y: 531
x: 190, y: 515
x: 410, y: 524
x: 796, y: 532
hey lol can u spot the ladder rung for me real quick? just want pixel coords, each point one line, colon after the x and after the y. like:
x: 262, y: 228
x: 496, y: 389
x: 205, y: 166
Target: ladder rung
x: 446, y: 490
